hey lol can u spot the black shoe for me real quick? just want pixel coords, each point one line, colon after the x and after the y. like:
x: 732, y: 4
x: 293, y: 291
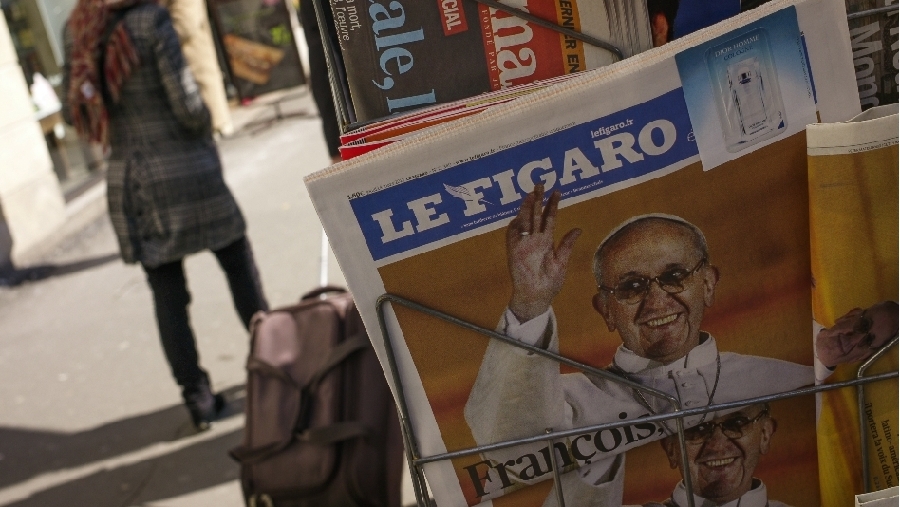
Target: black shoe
x: 221, y: 405
x: 203, y: 405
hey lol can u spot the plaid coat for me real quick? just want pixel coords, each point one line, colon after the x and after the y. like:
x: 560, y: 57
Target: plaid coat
x: 166, y: 194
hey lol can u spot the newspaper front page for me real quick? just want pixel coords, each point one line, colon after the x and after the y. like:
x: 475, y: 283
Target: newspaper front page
x: 854, y: 233
x: 700, y: 289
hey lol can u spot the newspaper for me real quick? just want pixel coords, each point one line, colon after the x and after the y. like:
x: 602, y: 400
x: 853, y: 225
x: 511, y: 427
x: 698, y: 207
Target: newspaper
x: 881, y: 498
x: 381, y: 133
x: 874, y: 40
x: 489, y: 218
x: 854, y: 230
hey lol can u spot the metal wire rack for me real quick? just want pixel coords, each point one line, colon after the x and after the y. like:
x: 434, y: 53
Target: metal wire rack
x: 416, y: 461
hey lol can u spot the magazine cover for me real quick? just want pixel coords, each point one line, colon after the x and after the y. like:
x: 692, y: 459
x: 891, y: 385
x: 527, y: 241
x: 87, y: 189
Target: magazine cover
x: 854, y: 229
x: 610, y: 232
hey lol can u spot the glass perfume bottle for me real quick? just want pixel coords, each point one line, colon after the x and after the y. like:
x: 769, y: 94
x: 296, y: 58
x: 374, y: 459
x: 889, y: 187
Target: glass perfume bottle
x: 748, y: 94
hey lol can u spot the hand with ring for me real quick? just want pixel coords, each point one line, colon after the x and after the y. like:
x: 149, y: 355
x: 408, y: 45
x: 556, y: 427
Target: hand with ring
x: 537, y: 268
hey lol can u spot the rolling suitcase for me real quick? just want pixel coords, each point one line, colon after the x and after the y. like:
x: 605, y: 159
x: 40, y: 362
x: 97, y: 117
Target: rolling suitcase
x: 321, y: 425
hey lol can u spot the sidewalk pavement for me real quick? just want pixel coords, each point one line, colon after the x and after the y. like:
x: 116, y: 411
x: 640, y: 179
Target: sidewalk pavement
x: 89, y: 413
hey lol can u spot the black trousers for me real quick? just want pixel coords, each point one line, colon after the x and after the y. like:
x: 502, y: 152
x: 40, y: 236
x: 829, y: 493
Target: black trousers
x: 171, y: 299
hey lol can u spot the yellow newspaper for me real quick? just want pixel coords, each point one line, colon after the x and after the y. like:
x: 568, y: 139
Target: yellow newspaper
x: 853, y: 229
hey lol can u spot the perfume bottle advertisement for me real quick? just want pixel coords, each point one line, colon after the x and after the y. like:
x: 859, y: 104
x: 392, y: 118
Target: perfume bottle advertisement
x: 748, y: 88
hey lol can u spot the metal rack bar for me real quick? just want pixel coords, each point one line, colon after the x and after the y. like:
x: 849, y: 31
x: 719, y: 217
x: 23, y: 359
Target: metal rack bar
x: 416, y: 461
x: 412, y: 449
x: 556, y: 479
x: 861, y: 406
x: 531, y: 18
x: 870, y: 12
x: 660, y: 417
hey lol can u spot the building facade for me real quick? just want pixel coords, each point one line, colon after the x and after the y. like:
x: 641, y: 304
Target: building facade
x: 32, y: 204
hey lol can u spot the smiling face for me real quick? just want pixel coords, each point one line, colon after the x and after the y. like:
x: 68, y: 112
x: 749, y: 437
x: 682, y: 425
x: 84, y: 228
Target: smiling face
x: 721, y: 467
x: 662, y: 326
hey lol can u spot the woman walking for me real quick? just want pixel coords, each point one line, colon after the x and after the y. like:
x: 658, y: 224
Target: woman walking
x: 128, y: 86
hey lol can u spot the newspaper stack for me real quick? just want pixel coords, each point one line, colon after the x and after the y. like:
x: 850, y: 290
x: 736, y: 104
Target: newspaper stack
x: 524, y: 46
x: 649, y: 223
x: 402, y: 55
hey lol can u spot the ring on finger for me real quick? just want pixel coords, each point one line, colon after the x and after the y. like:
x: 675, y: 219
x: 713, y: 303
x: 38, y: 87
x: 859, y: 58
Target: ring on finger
x: 525, y: 233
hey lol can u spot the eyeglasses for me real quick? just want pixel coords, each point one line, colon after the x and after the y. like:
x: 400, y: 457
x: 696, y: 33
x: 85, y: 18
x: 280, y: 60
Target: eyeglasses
x: 732, y: 427
x: 863, y: 325
x: 635, y: 289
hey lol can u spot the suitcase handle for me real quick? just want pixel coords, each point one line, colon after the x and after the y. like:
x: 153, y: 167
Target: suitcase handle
x: 322, y: 290
x: 338, y: 354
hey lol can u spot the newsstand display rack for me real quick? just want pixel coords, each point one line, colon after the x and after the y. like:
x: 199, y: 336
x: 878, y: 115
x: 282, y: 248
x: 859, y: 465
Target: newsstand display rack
x: 347, y: 121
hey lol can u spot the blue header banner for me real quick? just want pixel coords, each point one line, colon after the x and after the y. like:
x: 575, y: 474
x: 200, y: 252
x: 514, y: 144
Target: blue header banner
x: 577, y: 160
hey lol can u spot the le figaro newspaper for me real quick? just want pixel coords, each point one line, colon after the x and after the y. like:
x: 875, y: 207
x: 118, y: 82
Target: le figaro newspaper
x: 650, y: 220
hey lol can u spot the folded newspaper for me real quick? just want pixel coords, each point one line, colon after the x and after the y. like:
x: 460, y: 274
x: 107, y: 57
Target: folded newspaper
x: 854, y: 228
x: 649, y: 221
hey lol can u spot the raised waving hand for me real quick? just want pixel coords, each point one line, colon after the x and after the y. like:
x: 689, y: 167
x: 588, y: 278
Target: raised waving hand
x: 536, y: 267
